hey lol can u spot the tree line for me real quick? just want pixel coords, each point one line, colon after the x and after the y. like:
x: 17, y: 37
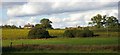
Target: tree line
x: 10, y: 27
x: 97, y: 21
x: 104, y: 21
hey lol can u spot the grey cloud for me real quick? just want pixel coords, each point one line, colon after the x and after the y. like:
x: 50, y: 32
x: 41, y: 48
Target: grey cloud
x: 11, y: 4
x: 47, y: 8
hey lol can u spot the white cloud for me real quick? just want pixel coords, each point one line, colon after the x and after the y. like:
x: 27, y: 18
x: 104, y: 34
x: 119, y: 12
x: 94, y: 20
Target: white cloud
x: 60, y: 0
x: 77, y: 13
x: 72, y: 19
x: 20, y: 21
x: 73, y: 0
x: 45, y: 8
x: 15, y: 22
x: 55, y: 20
x: 32, y: 20
x: 80, y: 19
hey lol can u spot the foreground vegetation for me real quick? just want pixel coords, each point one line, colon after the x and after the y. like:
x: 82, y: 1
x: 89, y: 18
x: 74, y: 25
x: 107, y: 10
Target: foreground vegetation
x: 62, y: 49
x: 61, y: 45
x: 106, y: 42
x: 67, y: 41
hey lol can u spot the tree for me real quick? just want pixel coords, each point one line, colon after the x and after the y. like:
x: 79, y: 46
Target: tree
x: 20, y: 27
x: 104, y: 21
x: 90, y: 23
x: 98, y: 20
x: 13, y: 27
x: 78, y: 33
x: 112, y: 22
x: 38, y: 33
x: 9, y: 26
x: 46, y: 23
x: 38, y: 26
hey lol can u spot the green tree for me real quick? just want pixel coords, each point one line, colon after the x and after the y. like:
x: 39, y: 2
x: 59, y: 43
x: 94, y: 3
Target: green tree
x: 20, y: 27
x: 98, y: 20
x: 13, y: 27
x: 112, y: 22
x: 46, y: 23
x: 10, y: 26
x: 38, y: 33
x: 104, y: 21
x: 90, y: 23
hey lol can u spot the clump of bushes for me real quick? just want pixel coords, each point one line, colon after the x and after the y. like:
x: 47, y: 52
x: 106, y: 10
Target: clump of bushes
x: 69, y: 33
x: 36, y: 33
x: 87, y: 33
x: 78, y: 33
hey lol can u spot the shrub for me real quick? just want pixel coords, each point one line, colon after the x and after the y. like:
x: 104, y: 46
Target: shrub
x: 87, y: 33
x: 68, y: 33
x: 38, y: 33
x: 78, y: 33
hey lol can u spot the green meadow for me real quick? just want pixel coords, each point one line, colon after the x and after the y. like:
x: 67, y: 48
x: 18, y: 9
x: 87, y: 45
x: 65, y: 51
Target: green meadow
x: 18, y: 37
x: 65, y: 41
x: 23, y: 33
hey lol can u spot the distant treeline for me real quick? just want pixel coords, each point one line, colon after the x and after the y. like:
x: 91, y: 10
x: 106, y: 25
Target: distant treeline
x: 10, y: 27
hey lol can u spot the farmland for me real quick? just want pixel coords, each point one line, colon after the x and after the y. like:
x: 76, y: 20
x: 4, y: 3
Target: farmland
x: 23, y: 33
x: 18, y: 37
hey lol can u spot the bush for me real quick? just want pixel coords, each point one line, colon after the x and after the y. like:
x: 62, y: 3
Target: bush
x: 78, y: 33
x: 68, y: 33
x: 87, y: 33
x: 38, y: 33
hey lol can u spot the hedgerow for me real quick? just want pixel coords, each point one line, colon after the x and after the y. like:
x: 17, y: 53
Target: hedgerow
x: 78, y: 33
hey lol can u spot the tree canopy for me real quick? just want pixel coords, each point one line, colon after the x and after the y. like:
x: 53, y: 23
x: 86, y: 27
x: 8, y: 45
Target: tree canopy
x: 45, y: 24
x: 9, y: 27
x: 103, y: 21
x: 39, y: 31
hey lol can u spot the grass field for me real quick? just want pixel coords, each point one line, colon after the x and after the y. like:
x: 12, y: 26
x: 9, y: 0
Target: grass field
x: 68, y: 41
x: 63, y: 45
x: 14, y: 33
x: 107, y: 42
x: 22, y: 33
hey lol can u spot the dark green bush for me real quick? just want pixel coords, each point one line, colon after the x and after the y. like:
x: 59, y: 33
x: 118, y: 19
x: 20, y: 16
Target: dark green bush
x: 68, y: 33
x: 78, y: 33
x: 87, y: 33
x: 38, y: 33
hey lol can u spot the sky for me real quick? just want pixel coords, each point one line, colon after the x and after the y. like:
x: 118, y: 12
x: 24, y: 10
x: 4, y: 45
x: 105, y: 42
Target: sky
x: 69, y: 13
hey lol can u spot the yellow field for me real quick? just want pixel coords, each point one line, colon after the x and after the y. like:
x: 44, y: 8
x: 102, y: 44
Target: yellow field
x: 23, y: 33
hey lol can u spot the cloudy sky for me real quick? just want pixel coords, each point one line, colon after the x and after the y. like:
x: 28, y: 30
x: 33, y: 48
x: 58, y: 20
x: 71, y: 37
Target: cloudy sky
x: 62, y: 13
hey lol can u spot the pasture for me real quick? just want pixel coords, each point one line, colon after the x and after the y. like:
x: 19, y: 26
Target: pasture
x: 23, y: 33
x: 67, y: 41
x: 18, y: 37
